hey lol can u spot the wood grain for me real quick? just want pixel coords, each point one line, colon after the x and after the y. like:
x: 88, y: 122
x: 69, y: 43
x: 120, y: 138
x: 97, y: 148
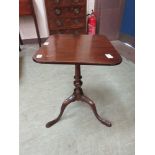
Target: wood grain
x: 77, y: 49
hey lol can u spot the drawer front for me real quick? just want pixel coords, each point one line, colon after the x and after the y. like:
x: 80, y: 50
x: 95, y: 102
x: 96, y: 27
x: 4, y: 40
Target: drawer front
x: 76, y: 11
x: 65, y: 23
x: 53, y: 3
x: 69, y: 31
x: 25, y: 7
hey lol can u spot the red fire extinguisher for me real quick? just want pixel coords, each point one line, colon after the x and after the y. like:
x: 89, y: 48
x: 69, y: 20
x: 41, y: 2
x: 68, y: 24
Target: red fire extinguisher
x: 92, y: 24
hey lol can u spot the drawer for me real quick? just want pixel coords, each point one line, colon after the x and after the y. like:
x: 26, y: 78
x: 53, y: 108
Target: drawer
x: 65, y: 23
x: 69, y: 31
x: 51, y: 3
x: 75, y: 11
x: 25, y: 7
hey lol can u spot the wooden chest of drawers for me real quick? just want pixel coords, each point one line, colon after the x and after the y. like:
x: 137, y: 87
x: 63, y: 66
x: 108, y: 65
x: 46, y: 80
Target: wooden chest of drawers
x: 66, y: 16
x: 25, y: 7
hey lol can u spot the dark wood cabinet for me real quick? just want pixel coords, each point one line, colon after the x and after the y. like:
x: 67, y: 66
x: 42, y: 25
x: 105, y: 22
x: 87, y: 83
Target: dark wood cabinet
x: 25, y: 7
x: 66, y: 16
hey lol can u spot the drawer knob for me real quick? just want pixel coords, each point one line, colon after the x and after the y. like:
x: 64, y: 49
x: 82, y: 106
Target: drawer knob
x: 77, y: 10
x: 57, y: 11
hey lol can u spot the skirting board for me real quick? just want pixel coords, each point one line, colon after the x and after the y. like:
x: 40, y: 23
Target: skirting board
x: 33, y: 41
x: 127, y: 39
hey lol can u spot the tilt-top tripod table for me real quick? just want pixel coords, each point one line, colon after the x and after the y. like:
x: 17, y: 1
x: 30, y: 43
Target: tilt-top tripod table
x: 77, y: 50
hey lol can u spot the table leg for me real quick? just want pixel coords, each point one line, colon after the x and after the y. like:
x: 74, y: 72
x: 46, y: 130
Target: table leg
x: 64, y: 105
x: 78, y: 95
x: 37, y: 30
x: 92, y: 105
x: 36, y: 24
x: 20, y: 40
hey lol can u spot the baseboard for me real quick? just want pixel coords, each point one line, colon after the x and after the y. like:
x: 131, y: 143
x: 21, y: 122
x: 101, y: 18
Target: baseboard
x: 33, y: 40
x: 127, y: 39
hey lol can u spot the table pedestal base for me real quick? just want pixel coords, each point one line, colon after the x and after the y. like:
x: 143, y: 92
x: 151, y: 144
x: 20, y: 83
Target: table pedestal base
x: 78, y: 96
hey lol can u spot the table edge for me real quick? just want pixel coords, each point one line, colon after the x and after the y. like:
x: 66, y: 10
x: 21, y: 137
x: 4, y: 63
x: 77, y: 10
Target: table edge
x: 79, y: 63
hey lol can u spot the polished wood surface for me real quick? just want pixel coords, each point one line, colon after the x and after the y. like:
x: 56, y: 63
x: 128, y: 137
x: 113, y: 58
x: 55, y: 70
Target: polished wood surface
x: 77, y: 49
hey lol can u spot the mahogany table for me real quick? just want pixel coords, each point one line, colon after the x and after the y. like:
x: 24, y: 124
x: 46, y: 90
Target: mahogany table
x: 77, y: 50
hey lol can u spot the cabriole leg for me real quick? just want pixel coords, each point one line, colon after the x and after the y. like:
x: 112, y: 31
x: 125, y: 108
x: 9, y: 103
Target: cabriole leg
x: 64, y: 105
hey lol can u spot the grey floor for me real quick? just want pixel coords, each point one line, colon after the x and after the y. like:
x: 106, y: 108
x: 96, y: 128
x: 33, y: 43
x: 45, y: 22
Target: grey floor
x: 42, y: 91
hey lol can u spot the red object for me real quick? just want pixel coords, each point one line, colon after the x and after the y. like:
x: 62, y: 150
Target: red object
x: 92, y: 24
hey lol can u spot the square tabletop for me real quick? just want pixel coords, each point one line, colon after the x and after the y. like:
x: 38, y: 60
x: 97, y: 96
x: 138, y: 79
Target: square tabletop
x: 77, y: 49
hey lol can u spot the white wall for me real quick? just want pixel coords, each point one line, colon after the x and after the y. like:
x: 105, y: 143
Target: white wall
x: 90, y: 5
x: 26, y: 24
